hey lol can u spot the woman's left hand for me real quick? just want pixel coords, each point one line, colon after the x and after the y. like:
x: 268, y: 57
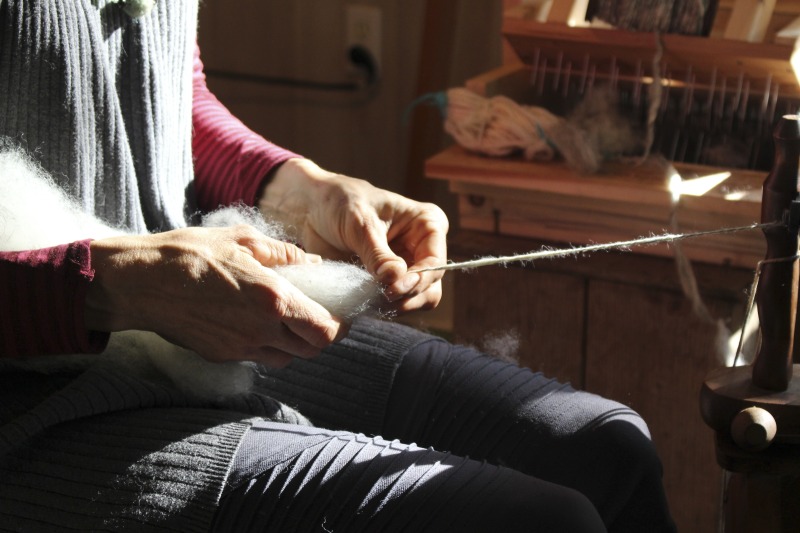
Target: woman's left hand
x: 338, y: 216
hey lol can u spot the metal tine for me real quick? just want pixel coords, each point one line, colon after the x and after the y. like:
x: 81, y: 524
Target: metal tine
x: 738, y: 94
x: 665, y: 75
x: 541, y: 76
x: 774, y: 103
x: 592, y: 76
x: 712, y: 87
x: 742, y: 112
x: 673, y: 151
x: 719, y: 109
x: 567, y: 78
x: 762, y: 112
x: 535, y: 67
x: 637, y: 88
x: 698, y: 152
x: 612, y: 72
x: 688, y: 95
x: 584, y: 74
x: 557, y: 73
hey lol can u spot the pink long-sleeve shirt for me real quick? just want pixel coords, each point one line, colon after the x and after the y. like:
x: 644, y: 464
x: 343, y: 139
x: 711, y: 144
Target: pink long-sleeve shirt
x: 43, y: 292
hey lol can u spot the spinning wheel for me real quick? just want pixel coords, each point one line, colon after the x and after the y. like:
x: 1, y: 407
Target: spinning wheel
x: 755, y: 409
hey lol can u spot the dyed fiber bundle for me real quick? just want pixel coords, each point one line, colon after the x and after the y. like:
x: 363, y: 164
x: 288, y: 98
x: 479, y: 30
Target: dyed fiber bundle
x: 498, y: 126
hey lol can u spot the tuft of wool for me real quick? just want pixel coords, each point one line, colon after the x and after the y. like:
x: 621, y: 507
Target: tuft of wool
x: 607, y: 133
x: 344, y: 289
x: 502, y: 344
x: 35, y: 213
x: 243, y: 214
x: 188, y: 372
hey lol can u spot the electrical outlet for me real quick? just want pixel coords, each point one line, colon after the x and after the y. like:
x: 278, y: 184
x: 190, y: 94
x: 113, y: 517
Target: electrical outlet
x: 363, y: 29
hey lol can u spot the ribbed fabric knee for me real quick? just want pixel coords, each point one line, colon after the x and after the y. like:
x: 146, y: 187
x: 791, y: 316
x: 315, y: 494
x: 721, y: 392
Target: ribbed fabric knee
x: 299, y: 479
x: 461, y: 401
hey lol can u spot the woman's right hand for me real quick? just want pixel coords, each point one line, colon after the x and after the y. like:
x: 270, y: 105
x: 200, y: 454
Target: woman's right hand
x: 210, y: 290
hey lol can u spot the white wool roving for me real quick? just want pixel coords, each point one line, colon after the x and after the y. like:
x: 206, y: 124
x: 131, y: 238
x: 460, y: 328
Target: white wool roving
x: 344, y: 289
x: 35, y: 213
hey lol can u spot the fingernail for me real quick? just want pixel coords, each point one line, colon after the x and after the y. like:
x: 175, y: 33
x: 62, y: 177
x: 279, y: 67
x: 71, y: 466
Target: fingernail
x: 389, y: 266
x: 409, y: 282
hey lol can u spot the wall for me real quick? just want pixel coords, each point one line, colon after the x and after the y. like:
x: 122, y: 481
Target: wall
x: 358, y: 134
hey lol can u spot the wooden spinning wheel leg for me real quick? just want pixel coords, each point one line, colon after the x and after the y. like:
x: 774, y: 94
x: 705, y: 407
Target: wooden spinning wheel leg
x: 755, y: 410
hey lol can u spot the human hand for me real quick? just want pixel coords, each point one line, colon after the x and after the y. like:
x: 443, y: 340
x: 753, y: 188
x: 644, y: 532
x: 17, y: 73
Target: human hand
x: 337, y: 216
x: 210, y: 290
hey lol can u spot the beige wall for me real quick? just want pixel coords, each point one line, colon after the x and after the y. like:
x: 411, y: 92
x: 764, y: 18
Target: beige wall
x: 358, y: 134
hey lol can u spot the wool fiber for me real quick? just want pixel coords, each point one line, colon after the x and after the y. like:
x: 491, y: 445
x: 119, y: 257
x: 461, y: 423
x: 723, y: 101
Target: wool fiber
x: 344, y: 289
x: 36, y: 213
x: 502, y: 344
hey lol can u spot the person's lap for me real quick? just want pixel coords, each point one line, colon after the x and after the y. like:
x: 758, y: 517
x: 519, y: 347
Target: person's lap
x: 290, y: 478
x: 498, y: 448
x: 537, y: 450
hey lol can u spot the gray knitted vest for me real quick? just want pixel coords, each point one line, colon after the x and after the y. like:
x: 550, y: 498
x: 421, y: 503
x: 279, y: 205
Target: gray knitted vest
x: 103, y: 102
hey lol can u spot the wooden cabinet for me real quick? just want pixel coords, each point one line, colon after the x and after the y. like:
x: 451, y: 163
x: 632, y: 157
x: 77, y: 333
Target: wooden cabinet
x: 616, y: 324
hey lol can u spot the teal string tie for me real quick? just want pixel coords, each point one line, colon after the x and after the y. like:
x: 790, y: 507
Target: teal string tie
x: 437, y: 100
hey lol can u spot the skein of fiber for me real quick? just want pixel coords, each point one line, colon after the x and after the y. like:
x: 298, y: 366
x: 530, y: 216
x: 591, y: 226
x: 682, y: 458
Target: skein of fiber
x: 498, y: 126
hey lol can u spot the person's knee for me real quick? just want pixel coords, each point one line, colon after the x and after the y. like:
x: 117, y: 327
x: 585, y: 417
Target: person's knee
x: 629, y: 445
x: 563, y: 509
x: 522, y: 504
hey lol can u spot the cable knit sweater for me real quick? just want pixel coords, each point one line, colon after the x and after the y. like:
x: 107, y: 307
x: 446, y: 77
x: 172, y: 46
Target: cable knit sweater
x: 117, y: 111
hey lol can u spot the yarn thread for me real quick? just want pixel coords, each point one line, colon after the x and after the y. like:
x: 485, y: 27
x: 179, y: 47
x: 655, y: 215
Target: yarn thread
x: 752, y: 299
x: 580, y: 250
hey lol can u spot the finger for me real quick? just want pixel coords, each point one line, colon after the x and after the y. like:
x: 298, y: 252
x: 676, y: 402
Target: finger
x: 414, y: 282
x: 270, y: 252
x: 430, y: 251
x: 419, y: 302
x: 376, y: 254
x: 309, y: 327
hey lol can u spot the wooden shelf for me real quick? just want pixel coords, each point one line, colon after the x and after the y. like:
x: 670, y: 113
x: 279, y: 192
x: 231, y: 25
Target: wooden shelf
x: 548, y: 201
x: 632, y: 50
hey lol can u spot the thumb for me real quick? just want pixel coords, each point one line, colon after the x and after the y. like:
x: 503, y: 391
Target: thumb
x: 379, y: 258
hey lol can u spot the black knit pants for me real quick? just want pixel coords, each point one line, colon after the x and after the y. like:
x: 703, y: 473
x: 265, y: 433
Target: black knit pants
x: 498, y: 448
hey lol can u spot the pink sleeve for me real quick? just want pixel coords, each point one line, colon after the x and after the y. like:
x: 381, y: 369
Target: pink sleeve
x: 231, y: 161
x: 42, y: 294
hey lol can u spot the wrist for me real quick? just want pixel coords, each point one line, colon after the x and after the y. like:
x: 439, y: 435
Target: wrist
x: 107, y: 308
x: 292, y: 177
x: 293, y: 190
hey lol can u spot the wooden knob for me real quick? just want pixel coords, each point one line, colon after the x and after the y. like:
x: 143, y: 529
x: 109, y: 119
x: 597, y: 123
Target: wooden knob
x: 753, y: 428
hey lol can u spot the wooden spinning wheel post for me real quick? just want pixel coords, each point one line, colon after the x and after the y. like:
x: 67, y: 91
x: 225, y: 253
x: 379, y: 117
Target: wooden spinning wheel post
x: 755, y: 409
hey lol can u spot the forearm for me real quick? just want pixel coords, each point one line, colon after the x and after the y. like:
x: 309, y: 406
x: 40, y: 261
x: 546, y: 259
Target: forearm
x: 42, y: 294
x: 231, y: 161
